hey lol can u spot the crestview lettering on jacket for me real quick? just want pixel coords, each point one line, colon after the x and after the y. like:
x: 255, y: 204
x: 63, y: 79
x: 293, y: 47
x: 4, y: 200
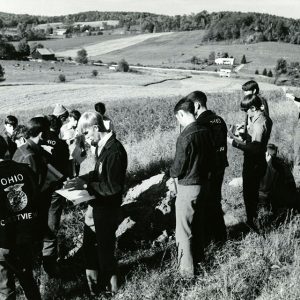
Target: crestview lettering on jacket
x: 16, y: 197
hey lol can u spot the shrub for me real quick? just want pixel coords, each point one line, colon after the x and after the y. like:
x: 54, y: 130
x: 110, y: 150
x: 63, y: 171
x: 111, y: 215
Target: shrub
x: 62, y: 78
x: 94, y: 73
x: 257, y: 72
x: 123, y: 65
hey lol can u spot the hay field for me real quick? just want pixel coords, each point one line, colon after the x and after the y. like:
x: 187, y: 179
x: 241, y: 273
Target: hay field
x: 111, y: 45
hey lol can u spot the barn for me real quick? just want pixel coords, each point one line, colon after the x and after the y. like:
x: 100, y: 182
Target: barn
x: 43, y: 53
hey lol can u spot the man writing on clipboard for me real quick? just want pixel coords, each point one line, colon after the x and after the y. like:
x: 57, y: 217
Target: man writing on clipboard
x: 106, y: 183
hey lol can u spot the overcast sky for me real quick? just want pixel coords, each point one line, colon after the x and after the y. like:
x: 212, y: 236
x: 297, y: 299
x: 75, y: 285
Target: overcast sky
x: 287, y: 8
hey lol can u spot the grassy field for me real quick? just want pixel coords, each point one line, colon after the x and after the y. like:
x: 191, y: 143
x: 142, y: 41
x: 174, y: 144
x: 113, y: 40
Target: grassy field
x: 33, y: 85
x: 253, y: 266
x: 176, y: 49
x: 62, y: 44
x: 107, y: 46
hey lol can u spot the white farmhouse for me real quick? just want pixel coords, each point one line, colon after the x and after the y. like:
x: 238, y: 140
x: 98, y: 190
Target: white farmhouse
x: 224, y: 61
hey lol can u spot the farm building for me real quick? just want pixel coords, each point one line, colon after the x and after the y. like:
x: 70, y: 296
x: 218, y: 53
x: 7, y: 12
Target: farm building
x: 224, y: 61
x: 59, y: 32
x: 225, y: 71
x: 43, y: 53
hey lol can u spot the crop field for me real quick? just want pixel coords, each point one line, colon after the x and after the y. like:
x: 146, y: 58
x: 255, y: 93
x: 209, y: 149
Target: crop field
x: 63, y: 44
x: 107, y: 46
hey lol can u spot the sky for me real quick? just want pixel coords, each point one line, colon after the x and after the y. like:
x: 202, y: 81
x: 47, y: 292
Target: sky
x: 286, y: 8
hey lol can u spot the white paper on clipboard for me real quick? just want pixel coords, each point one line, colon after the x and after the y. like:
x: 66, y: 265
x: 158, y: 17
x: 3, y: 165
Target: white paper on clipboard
x: 75, y: 196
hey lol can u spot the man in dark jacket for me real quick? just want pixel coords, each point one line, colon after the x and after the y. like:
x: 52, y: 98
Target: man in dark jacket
x: 59, y: 159
x: 31, y: 152
x: 106, y: 183
x: 191, y: 167
x: 19, y: 228
x: 215, y: 225
x: 277, y: 189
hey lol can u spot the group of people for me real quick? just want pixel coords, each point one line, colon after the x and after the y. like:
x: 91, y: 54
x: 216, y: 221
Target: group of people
x: 199, y: 166
x: 36, y: 161
x: 45, y: 156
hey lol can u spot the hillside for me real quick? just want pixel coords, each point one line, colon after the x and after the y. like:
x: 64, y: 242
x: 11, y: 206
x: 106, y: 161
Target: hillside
x: 178, y: 48
x: 221, y: 26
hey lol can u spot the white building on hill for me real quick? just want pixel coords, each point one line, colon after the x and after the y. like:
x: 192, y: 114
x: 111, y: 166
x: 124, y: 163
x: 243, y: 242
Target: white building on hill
x: 224, y: 61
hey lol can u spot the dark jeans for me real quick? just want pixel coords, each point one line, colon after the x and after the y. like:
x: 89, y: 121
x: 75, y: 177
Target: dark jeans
x: 17, y: 262
x: 106, y: 223
x: 51, y: 222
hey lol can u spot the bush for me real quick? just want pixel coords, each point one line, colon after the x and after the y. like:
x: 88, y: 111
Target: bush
x: 62, y: 78
x: 94, y: 73
x: 257, y: 72
x: 123, y: 66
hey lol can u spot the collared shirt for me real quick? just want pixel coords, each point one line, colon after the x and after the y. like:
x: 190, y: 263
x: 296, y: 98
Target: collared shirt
x: 260, y: 128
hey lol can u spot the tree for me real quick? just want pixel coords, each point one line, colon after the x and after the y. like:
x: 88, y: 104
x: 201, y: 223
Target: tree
x: 281, y: 66
x: 243, y: 61
x: 212, y: 57
x: 82, y: 56
x: 7, y: 50
x: 23, y: 48
x: 265, y: 72
x: 123, y: 65
x: 257, y: 72
x: 62, y: 78
x: 270, y: 74
x: 194, y: 60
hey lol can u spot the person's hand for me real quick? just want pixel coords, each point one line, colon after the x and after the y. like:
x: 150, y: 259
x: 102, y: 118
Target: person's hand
x: 75, y: 184
x: 47, y: 148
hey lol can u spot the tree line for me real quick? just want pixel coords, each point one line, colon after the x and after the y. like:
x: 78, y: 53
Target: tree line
x: 220, y: 26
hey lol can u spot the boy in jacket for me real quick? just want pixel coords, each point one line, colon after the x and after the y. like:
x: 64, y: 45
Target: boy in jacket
x: 254, y: 148
x: 19, y: 229
x: 215, y: 225
x: 106, y: 183
x: 192, y: 164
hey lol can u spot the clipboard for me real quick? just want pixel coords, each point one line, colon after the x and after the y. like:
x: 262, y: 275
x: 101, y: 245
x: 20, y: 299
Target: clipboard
x: 75, y: 196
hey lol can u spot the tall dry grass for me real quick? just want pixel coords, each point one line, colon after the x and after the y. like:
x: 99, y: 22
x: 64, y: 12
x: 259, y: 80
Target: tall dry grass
x: 256, y: 267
